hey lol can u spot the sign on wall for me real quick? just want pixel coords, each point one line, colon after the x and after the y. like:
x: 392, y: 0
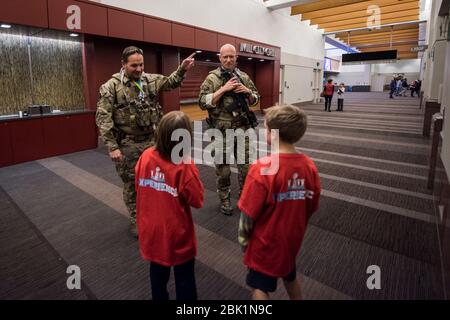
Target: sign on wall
x: 245, y: 47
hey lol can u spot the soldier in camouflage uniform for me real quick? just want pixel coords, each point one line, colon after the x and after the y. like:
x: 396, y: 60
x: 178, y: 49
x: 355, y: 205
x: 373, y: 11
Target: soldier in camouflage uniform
x: 128, y: 113
x: 218, y: 97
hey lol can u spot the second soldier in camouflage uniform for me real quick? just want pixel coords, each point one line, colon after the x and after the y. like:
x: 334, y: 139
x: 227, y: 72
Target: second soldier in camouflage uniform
x: 128, y: 113
x: 218, y: 96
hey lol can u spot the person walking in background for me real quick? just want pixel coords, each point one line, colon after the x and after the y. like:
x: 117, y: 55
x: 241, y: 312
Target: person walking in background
x: 413, y: 87
x: 398, y: 86
x: 392, y: 87
x: 341, y: 91
x: 328, y: 91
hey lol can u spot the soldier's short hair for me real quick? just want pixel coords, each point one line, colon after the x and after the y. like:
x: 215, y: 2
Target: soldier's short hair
x: 128, y: 51
x: 290, y: 121
x: 169, y: 123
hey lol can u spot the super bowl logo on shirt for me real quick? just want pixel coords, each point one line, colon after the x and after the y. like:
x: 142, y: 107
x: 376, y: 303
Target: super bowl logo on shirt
x: 158, y: 175
x: 157, y: 182
x: 295, y: 183
x: 296, y: 190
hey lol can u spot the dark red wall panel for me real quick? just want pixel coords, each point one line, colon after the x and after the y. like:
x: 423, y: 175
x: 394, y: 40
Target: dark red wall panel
x: 125, y: 25
x: 26, y: 12
x: 157, y: 31
x: 6, y: 153
x: 27, y: 140
x: 69, y: 133
x: 170, y: 100
x: 183, y: 36
x: 264, y: 81
x: 276, y: 81
x: 205, y: 40
x: 94, y: 19
x: 225, y: 39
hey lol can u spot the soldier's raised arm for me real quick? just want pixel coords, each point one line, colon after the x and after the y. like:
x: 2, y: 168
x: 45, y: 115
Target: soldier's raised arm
x: 104, y: 116
x: 176, y: 78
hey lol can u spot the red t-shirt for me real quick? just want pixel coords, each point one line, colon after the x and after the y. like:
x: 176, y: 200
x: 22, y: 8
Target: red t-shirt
x: 165, y: 194
x: 280, y: 205
x: 329, y: 89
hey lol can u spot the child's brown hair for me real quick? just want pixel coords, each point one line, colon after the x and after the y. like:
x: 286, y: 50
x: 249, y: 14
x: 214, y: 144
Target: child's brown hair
x: 290, y: 121
x: 169, y: 123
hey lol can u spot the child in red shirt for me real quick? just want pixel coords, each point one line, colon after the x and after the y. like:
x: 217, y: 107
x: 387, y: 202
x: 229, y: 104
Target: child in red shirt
x: 165, y: 193
x: 276, y: 206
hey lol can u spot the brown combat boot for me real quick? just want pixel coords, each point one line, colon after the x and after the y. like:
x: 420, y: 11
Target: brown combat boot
x: 226, y: 208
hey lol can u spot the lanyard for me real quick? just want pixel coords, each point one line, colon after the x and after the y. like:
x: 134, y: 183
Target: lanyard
x: 138, y: 86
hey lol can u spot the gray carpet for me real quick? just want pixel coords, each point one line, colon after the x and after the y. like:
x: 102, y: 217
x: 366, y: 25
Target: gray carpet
x: 375, y: 210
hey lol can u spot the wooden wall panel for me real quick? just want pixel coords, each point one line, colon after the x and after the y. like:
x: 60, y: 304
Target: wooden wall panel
x: 59, y: 134
x: 183, y: 36
x: 25, y: 12
x: 6, y: 155
x: 157, y: 31
x: 225, y: 39
x: 206, y: 40
x: 27, y: 140
x: 125, y: 25
x: 94, y: 19
x: 170, y: 100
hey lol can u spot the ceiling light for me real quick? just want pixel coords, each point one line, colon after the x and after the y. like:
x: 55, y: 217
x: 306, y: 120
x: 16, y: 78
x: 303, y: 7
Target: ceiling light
x: 250, y: 58
x: 198, y: 51
x: 262, y: 60
x: 207, y: 60
x: 5, y: 26
x: 74, y: 34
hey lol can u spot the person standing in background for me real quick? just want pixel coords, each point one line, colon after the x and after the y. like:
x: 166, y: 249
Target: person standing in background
x: 328, y: 91
x: 341, y: 91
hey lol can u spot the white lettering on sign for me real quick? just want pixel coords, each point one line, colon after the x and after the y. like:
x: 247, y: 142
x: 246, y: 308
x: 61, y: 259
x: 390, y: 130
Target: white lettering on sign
x: 245, y: 47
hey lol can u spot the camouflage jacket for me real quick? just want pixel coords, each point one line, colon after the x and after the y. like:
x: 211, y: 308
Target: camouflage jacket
x: 212, y: 83
x: 122, y: 108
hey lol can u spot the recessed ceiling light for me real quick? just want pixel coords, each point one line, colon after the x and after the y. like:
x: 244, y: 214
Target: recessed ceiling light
x: 5, y: 26
x: 250, y: 58
x: 74, y: 34
x: 207, y: 60
x: 198, y: 51
x: 261, y: 60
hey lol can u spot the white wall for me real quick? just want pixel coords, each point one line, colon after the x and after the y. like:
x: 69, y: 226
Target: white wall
x: 401, y: 66
x: 353, y: 75
x: 298, y: 81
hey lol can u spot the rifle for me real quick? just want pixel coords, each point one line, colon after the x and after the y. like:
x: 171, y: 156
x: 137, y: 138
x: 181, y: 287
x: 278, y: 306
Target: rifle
x: 240, y: 100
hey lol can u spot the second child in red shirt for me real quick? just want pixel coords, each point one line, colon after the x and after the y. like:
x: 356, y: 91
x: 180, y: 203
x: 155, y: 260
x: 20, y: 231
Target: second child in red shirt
x: 165, y: 193
x: 276, y: 206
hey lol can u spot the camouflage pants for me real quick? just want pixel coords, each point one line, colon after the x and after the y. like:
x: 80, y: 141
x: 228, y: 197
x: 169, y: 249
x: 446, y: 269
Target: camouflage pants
x: 131, y: 152
x: 241, y: 155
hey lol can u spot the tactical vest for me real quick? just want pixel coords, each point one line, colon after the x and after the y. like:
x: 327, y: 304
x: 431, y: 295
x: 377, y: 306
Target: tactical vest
x: 136, y: 114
